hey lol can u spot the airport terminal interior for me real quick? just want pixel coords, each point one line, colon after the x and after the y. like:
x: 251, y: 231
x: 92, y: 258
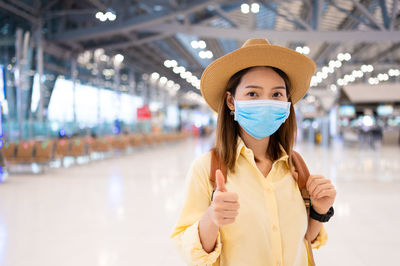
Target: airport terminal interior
x: 102, y: 116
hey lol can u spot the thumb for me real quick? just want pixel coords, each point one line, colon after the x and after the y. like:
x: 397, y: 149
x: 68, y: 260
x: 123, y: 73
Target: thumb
x: 220, y: 180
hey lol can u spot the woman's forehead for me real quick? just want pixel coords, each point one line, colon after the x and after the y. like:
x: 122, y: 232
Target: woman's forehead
x: 262, y: 77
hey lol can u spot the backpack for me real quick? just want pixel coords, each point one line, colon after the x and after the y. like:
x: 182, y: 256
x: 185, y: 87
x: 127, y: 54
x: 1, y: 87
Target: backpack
x: 300, y: 174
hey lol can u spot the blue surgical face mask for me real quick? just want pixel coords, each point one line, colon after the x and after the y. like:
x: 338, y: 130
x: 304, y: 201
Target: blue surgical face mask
x: 261, y: 118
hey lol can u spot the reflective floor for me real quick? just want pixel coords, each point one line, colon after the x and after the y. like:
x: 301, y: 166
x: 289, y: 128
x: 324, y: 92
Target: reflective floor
x: 120, y: 211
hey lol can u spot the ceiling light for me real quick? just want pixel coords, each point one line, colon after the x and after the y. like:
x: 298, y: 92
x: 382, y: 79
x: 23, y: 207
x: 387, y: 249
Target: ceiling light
x: 340, y: 57
x: 373, y: 81
x: 163, y: 80
x: 167, y: 63
x: 202, y: 44
x: 245, y: 8
x: 170, y: 83
x: 119, y: 58
x: 394, y: 72
x: 340, y: 82
x: 364, y: 68
x: 99, y: 15
x: 255, y: 7
x: 383, y: 77
x: 103, y: 18
x: 193, y: 79
x: 187, y: 74
x: 202, y: 54
x: 306, y: 50
x: 194, y: 44
x: 155, y: 75
x: 338, y: 64
x: 112, y: 17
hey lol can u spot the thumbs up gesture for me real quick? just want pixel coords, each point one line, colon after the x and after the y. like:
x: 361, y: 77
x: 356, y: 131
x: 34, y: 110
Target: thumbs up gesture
x: 225, y: 205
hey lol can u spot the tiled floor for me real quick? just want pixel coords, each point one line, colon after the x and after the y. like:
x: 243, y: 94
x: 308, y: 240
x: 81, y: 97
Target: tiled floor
x: 121, y: 211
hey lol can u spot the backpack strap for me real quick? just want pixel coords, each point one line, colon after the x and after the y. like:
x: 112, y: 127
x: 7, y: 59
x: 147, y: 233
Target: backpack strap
x: 301, y: 175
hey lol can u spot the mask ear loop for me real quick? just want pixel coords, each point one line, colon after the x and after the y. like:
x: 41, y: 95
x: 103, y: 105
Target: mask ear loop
x: 233, y: 112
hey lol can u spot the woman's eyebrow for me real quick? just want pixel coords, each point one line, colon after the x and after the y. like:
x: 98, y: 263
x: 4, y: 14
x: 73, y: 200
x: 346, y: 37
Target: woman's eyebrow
x: 259, y: 87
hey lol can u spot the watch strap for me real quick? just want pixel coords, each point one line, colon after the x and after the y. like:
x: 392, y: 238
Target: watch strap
x: 323, y: 218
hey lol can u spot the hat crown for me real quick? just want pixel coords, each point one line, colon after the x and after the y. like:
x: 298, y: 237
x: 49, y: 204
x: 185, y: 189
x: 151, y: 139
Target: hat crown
x: 251, y: 42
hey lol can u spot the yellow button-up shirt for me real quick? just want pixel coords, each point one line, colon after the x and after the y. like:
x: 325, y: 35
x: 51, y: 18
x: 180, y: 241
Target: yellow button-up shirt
x: 272, y: 221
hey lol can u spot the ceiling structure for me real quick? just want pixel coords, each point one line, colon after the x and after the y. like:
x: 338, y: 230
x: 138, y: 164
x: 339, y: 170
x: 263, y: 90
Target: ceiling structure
x: 147, y: 33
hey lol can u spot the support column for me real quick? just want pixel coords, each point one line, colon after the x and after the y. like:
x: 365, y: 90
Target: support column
x: 74, y: 74
x: 18, y: 80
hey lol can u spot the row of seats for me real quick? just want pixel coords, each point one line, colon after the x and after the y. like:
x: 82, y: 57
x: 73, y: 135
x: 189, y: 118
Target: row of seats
x: 42, y: 152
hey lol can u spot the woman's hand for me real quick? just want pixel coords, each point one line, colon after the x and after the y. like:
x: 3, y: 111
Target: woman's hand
x: 225, y: 205
x: 322, y: 193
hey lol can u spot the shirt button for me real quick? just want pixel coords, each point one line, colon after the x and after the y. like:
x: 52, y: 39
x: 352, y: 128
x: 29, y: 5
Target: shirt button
x: 275, y: 228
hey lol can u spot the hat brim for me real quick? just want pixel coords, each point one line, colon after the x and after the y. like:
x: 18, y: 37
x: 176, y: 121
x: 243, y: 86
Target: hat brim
x: 299, y: 68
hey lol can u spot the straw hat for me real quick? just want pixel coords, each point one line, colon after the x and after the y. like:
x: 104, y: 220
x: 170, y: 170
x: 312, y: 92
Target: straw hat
x: 256, y: 52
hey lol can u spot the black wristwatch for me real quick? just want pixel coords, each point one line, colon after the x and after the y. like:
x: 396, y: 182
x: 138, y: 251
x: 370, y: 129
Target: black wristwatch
x: 323, y: 218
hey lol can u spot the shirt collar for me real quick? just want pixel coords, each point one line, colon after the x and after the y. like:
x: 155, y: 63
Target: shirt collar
x: 242, y: 149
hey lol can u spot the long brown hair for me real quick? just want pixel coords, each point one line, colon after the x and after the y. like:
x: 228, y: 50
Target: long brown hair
x: 228, y: 129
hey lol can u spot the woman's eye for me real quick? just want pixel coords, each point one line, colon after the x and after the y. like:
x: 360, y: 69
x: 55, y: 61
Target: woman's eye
x: 277, y: 94
x: 252, y: 94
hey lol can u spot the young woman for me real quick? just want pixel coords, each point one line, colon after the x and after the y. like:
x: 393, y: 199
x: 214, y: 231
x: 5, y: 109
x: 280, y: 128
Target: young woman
x: 255, y: 215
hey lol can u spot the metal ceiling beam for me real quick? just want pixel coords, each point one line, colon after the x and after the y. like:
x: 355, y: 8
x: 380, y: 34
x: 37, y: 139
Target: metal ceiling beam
x: 385, y: 15
x: 130, y: 43
x: 352, y: 20
x: 189, y: 58
x: 27, y: 8
x: 48, y: 6
x: 317, y: 13
x: 18, y: 12
x: 355, y: 14
x: 98, y: 4
x: 384, y: 54
x: 309, y: 36
x: 226, y: 16
x: 69, y: 12
x: 136, y: 23
x: 394, y: 14
x: 290, y: 17
x: 365, y: 11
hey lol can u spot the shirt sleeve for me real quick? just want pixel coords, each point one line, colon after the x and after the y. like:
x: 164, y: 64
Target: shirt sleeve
x: 321, y: 239
x: 185, y: 235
